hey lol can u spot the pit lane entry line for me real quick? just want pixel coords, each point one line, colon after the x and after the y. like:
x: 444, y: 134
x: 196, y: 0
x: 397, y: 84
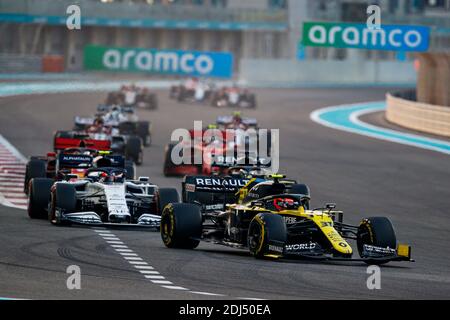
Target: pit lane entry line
x: 148, y: 271
x: 346, y: 118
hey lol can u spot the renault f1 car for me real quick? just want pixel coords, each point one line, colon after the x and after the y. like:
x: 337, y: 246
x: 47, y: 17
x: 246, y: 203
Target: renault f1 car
x: 119, y: 120
x: 104, y: 197
x: 75, y: 161
x: 271, y: 218
x: 133, y: 96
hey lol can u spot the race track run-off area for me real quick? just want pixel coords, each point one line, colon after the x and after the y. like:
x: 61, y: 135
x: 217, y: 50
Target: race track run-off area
x: 346, y: 118
x: 12, y: 173
x: 398, y: 175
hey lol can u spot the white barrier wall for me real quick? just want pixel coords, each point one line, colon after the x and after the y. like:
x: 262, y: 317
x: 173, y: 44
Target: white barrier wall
x: 289, y: 72
x: 418, y: 116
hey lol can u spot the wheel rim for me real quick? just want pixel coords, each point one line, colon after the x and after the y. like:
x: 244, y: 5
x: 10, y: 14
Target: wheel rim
x: 30, y: 199
x: 166, y: 227
x: 363, y: 238
x: 255, y: 238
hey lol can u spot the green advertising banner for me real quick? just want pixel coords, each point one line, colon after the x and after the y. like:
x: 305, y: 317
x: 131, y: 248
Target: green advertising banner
x: 179, y: 62
x: 359, y: 36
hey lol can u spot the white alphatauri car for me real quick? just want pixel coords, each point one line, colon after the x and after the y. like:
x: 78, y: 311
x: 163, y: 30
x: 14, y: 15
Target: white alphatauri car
x: 104, y: 197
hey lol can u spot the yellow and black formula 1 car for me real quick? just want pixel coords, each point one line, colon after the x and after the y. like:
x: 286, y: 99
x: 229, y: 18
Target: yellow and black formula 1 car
x: 271, y: 218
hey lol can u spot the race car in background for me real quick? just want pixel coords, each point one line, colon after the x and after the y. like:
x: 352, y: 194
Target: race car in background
x: 130, y: 147
x: 123, y: 120
x: 202, y: 91
x: 102, y: 137
x: 75, y: 162
x: 236, y: 121
x: 209, y: 151
x: 234, y: 97
x: 270, y: 217
x: 214, y: 150
x: 192, y: 90
x: 133, y: 96
x: 104, y: 197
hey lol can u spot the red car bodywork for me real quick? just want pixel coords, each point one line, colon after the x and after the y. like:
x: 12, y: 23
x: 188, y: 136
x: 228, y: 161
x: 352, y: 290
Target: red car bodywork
x: 207, y: 150
x: 63, y: 143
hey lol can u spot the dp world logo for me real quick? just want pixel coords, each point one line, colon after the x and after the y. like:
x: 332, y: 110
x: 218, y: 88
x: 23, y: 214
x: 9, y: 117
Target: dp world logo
x: 349, y: 35
x: 193, y: 63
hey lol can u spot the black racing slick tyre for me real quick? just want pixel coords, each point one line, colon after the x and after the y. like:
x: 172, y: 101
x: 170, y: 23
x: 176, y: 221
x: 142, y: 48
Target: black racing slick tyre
x: 66, y: 197
x: 174, y: 92
x: 143, y: 131
x: 181, y: 94
x: 168, y: 164
x: 166, y: 196
x: 252, y: 101
x: 35, y: 168
x: 153, y: 102
x: 181, y: 225
x: 376, y: 231
x: 130, y: 169
x: 134, y: 150
x: 267, y: 235
x: 63, y: 199
x: 38, y: 197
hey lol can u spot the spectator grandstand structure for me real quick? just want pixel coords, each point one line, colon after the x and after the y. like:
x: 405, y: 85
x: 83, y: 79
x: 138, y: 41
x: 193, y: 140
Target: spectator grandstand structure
x: 253, y: 30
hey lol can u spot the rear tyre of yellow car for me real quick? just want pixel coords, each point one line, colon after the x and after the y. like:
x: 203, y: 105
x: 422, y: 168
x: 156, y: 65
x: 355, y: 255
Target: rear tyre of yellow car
x: 181, y: 225
x: 267, y: 235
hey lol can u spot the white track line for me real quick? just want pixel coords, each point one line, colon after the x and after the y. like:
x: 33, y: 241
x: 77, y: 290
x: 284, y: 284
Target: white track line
x: 123, y: 250
x: 161, y: 281
x: 138, y: 262
x: 175, y: 288
x: 115, y: 242
x: 133, y: 258
x: 144, y: 267
x: 146, y: 270
x: 128, y: 254
x: 207, y: 293
x: 154, y: 277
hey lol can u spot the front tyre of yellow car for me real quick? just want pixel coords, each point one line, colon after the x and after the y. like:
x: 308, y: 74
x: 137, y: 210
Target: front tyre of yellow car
x: 181, y: 225
x: 376, y: 231
x: 266, y: 230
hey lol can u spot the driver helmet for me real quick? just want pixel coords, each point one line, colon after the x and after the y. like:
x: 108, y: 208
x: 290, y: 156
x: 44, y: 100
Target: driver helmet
x: 237, y: 118
x: 105, y: 177
x: 98, y: 121
x: 101, y: 162
x: 282, y: 204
